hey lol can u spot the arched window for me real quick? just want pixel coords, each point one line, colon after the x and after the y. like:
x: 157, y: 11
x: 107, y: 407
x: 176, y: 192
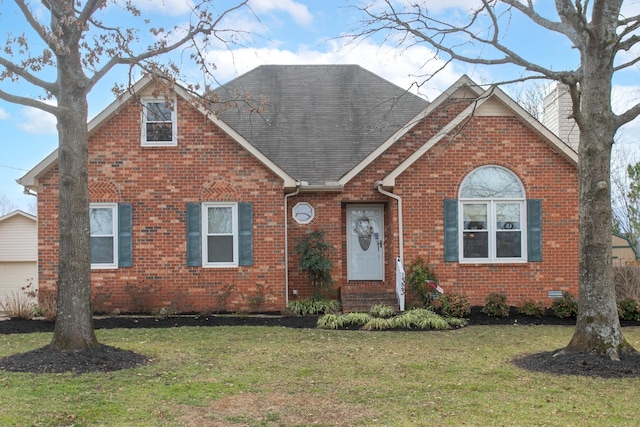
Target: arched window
x: 492, y: 217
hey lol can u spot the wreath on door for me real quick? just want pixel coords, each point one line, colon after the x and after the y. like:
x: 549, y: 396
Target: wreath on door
x: 364, y: 230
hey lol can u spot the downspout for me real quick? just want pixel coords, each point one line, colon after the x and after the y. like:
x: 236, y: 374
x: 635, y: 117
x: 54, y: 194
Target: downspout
x: 286, y: 242
x: 399, y: 200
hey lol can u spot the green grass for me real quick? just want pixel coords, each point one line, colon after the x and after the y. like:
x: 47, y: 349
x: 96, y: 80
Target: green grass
x: 259, y: 376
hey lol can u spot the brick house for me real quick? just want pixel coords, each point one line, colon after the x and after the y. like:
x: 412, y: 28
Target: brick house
x: 200, y: 209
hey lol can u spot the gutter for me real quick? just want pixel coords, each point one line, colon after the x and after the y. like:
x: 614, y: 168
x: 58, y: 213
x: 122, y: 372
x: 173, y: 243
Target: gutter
x: 399, y: 200
x: 286, y: 242
x: 327, y: 187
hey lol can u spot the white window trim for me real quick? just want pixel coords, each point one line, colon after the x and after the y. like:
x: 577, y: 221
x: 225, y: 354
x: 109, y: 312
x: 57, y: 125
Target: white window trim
x: 114, y: 208
x: 491, y: 230
x: 294, y: 213
x: 491, y: 220
x: 174, y: 123
x: 205, y: 235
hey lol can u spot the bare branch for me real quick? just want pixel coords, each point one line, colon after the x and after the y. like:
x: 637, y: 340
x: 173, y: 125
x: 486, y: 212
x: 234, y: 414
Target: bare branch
x: 34, y: 23
x: 424, y: 28
x: 29, y: 102
x: 22, y: 72
x: 557, y: 27
x: 204, y: 27
x: 628, y: 115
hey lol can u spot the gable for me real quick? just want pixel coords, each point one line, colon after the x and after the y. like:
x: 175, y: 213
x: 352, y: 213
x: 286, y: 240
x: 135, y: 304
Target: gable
x: 492, y: 103
x: 18, y: 237
x: 493, y: 108
x: 142, y: 88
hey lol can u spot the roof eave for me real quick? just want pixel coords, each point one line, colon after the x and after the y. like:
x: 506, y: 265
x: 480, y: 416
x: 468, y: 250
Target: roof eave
x: 30, y: 179
x: 549, y: 137
x: 463, y: 81
x: 327, y: 187
x: 18, y: 212
x: 288, y: 181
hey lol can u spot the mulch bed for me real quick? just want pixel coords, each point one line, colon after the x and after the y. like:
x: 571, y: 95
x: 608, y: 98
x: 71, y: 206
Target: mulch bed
x: 105, y: 358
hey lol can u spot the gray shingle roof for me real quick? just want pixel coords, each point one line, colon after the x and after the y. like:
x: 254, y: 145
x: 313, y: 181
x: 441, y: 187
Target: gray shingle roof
x: 317, y: 121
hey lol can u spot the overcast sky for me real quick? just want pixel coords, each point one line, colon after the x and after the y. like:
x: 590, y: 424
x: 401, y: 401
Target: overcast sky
x: 290, y: 32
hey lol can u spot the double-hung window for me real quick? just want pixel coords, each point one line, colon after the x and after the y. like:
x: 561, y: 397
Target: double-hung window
x: 220, y: 237
x: 111, y: 239
x: 158, y: 121
x: 219, y: 234
x: 492, y: 222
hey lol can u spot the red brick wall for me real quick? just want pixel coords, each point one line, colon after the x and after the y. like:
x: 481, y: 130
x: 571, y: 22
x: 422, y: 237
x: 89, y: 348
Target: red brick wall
x: 206, y: 165
x: 503, y: 141
x: 545, y: 175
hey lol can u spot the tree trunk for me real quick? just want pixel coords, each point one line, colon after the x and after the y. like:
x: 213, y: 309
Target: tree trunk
x: 74, y: 318
x: 598, y: 326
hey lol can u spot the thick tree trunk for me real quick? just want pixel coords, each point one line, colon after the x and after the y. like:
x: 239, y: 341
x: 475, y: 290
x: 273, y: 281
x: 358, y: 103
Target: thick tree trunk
x: 598, y: 327
x: 74, y: 318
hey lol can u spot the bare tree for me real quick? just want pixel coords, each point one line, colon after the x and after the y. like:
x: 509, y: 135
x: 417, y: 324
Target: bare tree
x: 531, y: 97
x: 67, y: 47
x: 605, y: 40
x: 6, y: 205
x: 623, y: 204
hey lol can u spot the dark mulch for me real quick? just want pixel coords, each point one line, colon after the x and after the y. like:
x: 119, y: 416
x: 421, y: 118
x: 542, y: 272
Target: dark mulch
x: 105, y: 358
x: 589, y: 365
x: 102, y: 358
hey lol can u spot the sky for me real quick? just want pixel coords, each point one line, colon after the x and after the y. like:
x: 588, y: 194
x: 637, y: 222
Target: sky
x: 292, y: 32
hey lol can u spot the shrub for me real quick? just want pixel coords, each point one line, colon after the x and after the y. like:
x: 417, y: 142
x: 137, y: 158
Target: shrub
x: 565, y: 306
x: 629, y: 309
x: 424, y: 318
x: 420, y: 277
x: 331, y: 321
x: 48, y: 306
x: 20, y: 305
x: 310, y: 307
x: 314, y: 260
x: 258, y: 298
x: 356, y: 319
x: 455, y: 305
x: 141, y: 294
x: 496, y: 305
x: 626, y: 280
x: 380, y: 310
x: 377, y: 324
x: 421, y: 318
x: 532, y: 308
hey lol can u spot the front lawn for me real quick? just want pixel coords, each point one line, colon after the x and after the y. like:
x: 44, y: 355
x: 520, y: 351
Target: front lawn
x: 274, y: 376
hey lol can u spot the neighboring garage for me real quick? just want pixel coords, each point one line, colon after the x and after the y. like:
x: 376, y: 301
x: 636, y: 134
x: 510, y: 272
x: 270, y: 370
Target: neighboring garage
x: 18, y: 252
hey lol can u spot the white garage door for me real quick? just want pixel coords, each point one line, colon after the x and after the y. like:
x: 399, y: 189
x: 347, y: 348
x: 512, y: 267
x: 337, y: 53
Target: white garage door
x: 16, y: 275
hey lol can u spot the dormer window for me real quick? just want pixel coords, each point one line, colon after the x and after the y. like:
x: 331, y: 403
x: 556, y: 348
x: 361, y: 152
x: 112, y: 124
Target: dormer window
x: 159, y: 122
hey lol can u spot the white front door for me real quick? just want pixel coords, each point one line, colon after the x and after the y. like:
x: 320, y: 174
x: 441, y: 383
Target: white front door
x: 365, y: 242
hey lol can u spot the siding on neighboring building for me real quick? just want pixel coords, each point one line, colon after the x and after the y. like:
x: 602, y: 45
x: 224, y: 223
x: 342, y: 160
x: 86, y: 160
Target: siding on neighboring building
x: 18, y: 252
x: 622, y: 251
x: 557, y: 113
